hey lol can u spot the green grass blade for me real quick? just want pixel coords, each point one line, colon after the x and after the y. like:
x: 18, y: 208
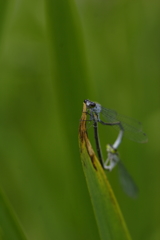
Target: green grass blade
x: 107, y: 212
x: 10, y: 227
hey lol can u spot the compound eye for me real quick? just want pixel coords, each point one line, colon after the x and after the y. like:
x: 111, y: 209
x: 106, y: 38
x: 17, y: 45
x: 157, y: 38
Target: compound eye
x: 89, y: 104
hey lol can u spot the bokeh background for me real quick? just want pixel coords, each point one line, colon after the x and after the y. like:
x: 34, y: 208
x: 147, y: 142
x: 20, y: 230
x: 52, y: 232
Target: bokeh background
x: 53, y: 55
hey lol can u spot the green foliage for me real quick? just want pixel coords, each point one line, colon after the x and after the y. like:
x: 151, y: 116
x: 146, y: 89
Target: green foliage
x: 110, y: 221
x: 53, y: 55
x: 10, y: 227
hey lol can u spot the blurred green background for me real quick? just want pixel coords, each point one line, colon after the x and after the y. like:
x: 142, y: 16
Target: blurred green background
x: 53, y: 55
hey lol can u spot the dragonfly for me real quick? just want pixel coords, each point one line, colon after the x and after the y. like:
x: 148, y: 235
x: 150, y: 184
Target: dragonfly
x: 113, y: 159
x: 131, y: 127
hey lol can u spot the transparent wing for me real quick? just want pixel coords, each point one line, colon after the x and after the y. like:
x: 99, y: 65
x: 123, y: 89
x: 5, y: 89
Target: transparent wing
x: 132, y: 128
x: 126, y: 181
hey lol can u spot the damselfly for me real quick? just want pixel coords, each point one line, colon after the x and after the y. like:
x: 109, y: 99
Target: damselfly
x: 113, y: 159
x: 131, y: 128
